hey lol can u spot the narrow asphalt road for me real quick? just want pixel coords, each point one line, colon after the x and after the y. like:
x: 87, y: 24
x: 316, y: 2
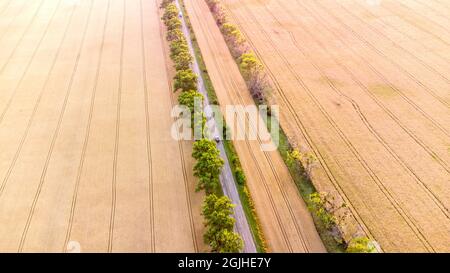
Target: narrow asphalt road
x: 226, y: 177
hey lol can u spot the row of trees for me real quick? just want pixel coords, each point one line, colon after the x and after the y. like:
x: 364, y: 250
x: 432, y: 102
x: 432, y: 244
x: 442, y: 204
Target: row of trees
x: 185, y: 79
x: 209, y: 165
x: 326, y: 208
x: 217, y: 211
x: 321, y: 204
x: 220, y: 224
x: 332, y: 216
x: 251, y: 68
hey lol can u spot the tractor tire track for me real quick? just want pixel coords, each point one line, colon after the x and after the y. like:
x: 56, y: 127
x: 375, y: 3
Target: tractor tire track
x: 16, y: 155
x: 31, y: 59
x: 87, y: 135
x: 55, y: 134
x: 431, y: 91
x: 367, y: 123
x: 303, y: 130
x: 147, y: 129
x: 408, y: 219
x: 279, y: 182
x: 180, y: 147
x: 117, y: 135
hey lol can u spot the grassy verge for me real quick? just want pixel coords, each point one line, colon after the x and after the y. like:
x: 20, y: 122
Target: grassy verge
x: 198, y: 56
x: 305, y: 188
x: 246, y: 201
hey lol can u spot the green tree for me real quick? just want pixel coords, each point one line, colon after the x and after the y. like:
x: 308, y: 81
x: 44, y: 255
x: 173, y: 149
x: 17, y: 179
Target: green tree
x: 188, y: 98
x: 174, y: 35
x: 178, y: 46
x: 217, y: 212
x: 219, y: 223
x: 250, y: 65
x: 199, y: 122
x: 164, y: 3
x: 203, y: 146
x: 228, y: 29
x: 194, y: 101
x: 170, y: 12
x: 233, y: 33
x: 318, y: 205
x: 183, y: 60
x: 306, y: 160
x: 360, y: 245
x: 173, y: 23
x: 235, y: 40
x: 207, y: 169
x: 208, y: 166
x: 240, y: 176
x: 227, y: 242
x: 185, y: 80
x: 324, y: 206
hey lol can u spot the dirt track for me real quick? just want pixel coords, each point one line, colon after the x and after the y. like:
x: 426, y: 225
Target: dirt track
x: 86, y: 152
x: 286, y: 223
x: 366, y: 87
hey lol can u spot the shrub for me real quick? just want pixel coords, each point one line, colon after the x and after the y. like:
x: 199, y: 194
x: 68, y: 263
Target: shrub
x: 219, y: 223
x: 185, y: 80
x: 187, y: 98
x: 306, y: 160
x: 173, y: 23
x: 318, y: 205
x: 182, y: 60
x: 240, y: 176
x: 249, y: 65
x: 178, y: 46
x: 170, y: 12
x: 227, y: 241
x: 199, y: 122
x: 325, y: 208
x: 235, y: 40
x: 360, y: 245
x: 256, y: 79
x: 212, y: 4
x: 228, y: 29
x: 217, y: 11
x: 164, y: 3
x: 175, y: 35
x: 208, y: 166
x: 257, y: 85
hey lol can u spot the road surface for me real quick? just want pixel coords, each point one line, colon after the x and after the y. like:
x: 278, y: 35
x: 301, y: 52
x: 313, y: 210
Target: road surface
x: 286, y: 222
x: 226, y: 177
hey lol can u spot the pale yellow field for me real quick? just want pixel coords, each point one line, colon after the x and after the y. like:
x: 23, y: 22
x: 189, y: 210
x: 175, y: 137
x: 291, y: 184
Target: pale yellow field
x: 86, y: 153
x: 365, y: 85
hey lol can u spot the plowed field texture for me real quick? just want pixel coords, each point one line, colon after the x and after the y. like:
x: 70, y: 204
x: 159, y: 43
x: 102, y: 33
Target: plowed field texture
x: 87, y: 161
x: 365, y: 86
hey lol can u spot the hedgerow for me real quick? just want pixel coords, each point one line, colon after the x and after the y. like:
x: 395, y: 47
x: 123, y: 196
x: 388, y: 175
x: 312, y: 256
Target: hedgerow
x: 217, y: 211
x: 255, y: 76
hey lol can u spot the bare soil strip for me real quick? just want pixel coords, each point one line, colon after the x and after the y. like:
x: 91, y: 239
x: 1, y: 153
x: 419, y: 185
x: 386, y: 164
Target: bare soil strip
x: 360, y: 87
x: 86, y: 151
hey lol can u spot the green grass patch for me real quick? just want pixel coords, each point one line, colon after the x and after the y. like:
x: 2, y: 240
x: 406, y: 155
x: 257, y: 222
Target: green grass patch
x: 247, y: 203
x: 201, y: 63
x: 305, y: 188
